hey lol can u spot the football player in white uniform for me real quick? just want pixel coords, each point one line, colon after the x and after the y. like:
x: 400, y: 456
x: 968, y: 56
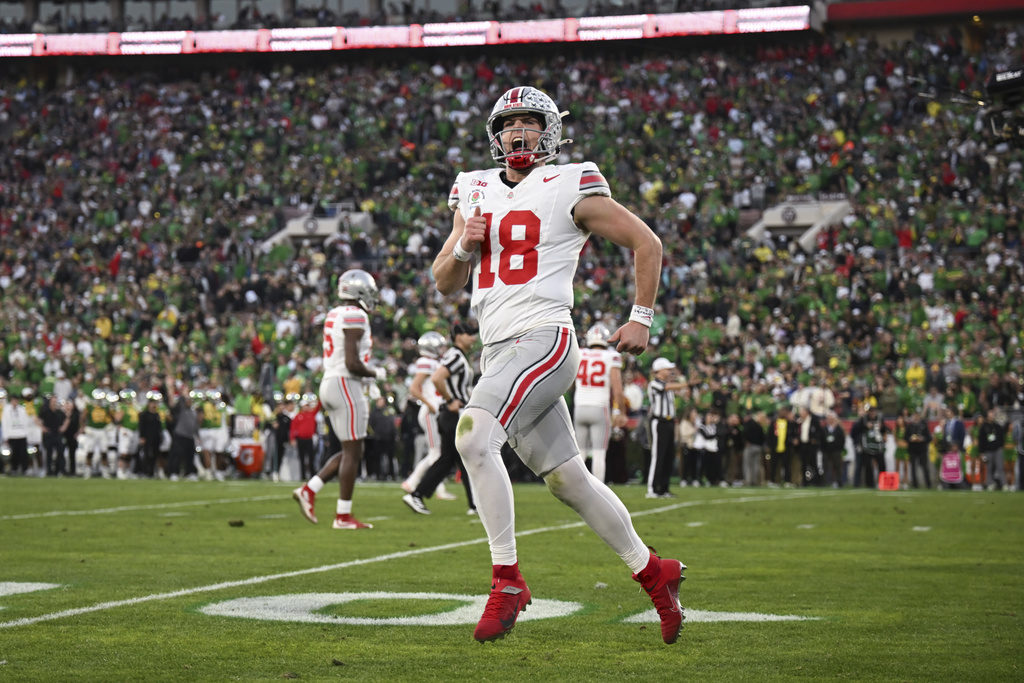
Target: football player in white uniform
x: 598, y: 397
x: 347, y: 344
x: 517, y: 233
x: 431, y: 346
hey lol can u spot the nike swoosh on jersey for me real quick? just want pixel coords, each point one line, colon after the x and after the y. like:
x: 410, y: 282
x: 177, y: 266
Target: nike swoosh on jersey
x: 548, y: 180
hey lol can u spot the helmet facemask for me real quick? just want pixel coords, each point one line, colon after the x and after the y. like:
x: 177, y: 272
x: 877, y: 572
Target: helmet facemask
x: 525, y: 100
x: 523, y: 157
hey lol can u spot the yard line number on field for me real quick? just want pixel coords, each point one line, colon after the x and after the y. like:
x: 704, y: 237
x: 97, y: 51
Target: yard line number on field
x: 99, y: 607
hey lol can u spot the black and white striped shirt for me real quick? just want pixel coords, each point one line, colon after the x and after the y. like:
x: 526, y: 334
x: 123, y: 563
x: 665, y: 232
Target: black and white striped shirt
x: 663, y: 401
x: 709, y: 436
x: 460, y: 380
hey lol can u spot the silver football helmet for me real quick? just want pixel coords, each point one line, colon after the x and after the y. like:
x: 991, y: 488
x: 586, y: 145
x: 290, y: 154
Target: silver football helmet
x: 517, y: 101
x: 598, y: 335
x: 360, y: 287
x: 431, y: 344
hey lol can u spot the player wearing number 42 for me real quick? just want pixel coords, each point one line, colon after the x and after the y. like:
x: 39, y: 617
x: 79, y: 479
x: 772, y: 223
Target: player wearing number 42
x: 517, y: 235
x: 598, y: 401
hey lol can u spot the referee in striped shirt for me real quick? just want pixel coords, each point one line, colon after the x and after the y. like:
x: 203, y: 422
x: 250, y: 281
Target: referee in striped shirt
x: 661, y: 395
x: 453, y: 379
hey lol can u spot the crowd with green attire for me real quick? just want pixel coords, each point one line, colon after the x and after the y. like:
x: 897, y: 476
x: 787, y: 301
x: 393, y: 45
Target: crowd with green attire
x: 133, y: 247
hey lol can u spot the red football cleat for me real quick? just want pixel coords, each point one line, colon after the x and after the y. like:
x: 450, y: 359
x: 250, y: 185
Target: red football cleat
x: 509, y: 596
x: 305, y: 496
x: 661, y: 579
x: 349, y: 522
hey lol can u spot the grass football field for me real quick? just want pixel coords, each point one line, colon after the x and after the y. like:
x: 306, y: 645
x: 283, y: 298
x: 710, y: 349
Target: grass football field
x: 148, y: 581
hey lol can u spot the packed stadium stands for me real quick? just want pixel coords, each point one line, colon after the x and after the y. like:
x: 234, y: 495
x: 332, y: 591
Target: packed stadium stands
x: 134, y: 203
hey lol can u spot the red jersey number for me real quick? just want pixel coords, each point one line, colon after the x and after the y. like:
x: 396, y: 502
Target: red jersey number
x: 591, y: 373
x: 524, y: 247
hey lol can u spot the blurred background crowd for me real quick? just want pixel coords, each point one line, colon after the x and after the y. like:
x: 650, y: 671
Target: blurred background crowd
x: 134, y: 208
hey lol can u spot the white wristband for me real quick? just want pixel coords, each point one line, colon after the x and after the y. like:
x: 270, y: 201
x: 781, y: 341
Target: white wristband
x: 461, y: 254
x: 380, y: 374
x: 642, y: 315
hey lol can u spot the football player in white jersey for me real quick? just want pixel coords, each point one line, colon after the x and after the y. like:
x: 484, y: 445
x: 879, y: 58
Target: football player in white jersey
x: 598, y: 397
x: 517, y: 234
x: 347, y: 344
x: 431, y: 346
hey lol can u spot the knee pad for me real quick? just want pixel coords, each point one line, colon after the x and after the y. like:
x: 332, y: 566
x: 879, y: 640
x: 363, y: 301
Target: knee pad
x: 477, y: 434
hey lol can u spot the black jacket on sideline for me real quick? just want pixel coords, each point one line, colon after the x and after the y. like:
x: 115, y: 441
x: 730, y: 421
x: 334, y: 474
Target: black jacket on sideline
x: 753, y: 433
x: 991, y: 437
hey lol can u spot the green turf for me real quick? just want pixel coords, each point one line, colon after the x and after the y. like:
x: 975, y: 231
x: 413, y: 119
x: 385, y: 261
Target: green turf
x: 902, y: 586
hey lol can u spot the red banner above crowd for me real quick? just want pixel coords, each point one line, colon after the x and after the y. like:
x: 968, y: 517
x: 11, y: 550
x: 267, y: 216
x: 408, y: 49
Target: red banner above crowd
x: 632, y: 27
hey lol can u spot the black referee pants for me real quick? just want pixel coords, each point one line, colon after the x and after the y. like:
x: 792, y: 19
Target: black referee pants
x: 663, y: 451
x: 447, y: 422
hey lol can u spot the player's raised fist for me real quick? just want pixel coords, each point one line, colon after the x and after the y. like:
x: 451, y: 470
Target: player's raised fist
x: 630, y: 338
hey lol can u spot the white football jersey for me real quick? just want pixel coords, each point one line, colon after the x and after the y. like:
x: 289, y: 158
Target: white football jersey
x: 338, y: 320
x: 594, y: 379
x: 428, y: 365
x: 523, y: 272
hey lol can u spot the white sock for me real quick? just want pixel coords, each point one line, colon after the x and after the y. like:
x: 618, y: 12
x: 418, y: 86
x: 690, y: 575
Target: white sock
x: 344, y: 507
x: 315, y: 484
x: 479, y: 440
x: 414, y: 479
x: 600, y: 508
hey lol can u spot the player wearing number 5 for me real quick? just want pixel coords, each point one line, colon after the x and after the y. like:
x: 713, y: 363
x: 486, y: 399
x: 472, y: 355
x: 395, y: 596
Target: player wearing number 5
x: 598, y: 398
x: 347, y: 345
x: 517, y: 234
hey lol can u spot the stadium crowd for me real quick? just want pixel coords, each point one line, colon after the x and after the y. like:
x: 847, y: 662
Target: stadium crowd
x: 134, y: 207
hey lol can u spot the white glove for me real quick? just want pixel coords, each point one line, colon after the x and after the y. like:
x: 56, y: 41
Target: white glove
x: 381, y: 374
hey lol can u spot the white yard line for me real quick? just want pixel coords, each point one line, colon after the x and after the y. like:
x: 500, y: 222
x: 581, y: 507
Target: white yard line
x: 131, y: 508
x: 99, y: 607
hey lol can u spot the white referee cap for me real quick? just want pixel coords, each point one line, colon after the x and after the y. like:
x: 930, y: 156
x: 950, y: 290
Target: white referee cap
x: 662, y: 364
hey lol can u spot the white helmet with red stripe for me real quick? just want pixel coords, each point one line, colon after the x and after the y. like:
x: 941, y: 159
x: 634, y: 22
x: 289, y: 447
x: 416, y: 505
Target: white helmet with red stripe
x: 525, y: 99
x: 598, y: 335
